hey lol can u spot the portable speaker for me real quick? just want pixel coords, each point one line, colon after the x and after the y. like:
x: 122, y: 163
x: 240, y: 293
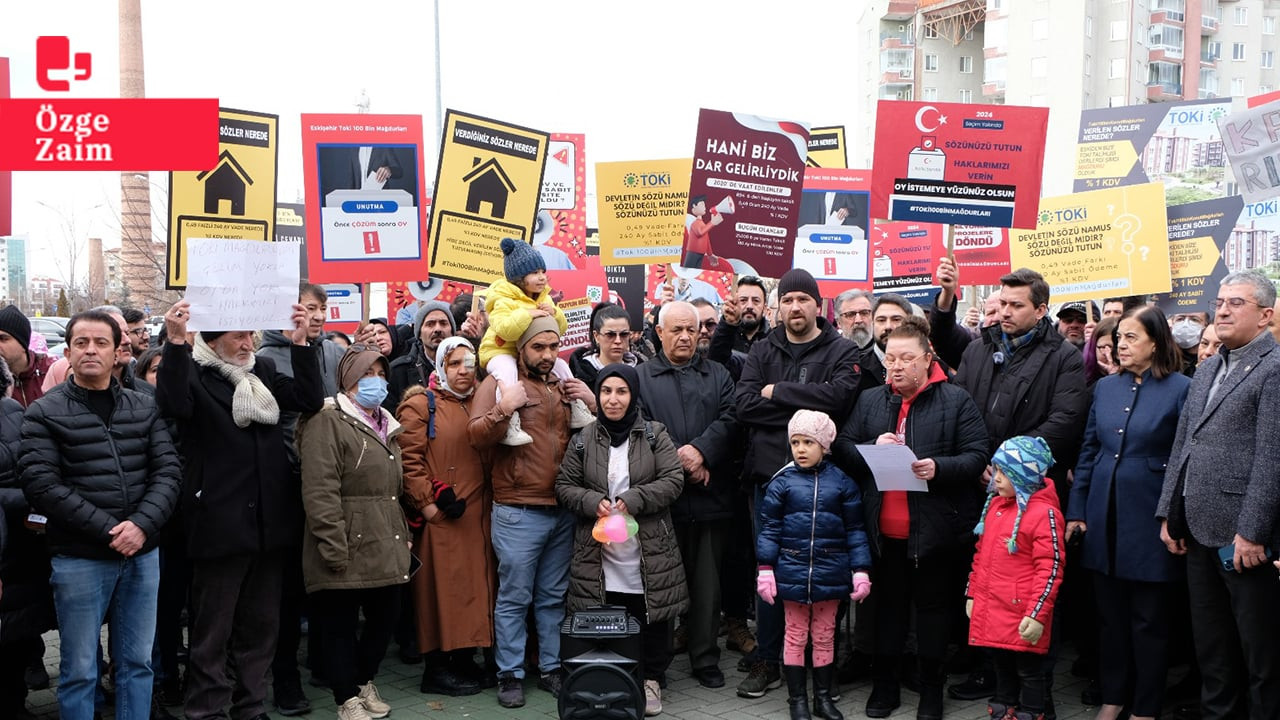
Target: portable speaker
x: 600, y: 650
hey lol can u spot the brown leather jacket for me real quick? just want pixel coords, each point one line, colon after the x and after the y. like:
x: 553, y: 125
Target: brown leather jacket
x: 524, y: 475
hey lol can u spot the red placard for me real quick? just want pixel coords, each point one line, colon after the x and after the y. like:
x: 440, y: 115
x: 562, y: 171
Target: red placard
x: 982, y: 254
x: 560, y: 233
x: 366, y: 210
x: 904, y: 258
x: 6, y: 178
x: 958, y: 163
x: 108, y: 134
x: 576, y: 292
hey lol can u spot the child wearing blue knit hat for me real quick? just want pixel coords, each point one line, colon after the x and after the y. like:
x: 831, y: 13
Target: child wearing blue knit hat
x: 512, y: 304
x: 1017, y: 572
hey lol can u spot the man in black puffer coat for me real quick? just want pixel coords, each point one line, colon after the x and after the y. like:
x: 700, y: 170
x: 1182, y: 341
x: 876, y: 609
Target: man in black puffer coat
x: 97, y: 461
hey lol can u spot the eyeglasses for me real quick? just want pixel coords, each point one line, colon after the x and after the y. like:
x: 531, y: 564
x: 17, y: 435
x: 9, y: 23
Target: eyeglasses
x: 851, y: 314
x: 710, y: 324
x: 905, y: 360
x: 1236, y: 303
x: 140, y: 332
x: 612, y: 335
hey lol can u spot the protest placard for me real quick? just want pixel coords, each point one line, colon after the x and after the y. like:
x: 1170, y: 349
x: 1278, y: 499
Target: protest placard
x: 1252, y: 143
x: 236, y: 198
x: 560, y: 231
x: 1101, y: 243
x: 1174, y: 142
x: 981, y: 254
x: 832, y: 240
x: 488, y: 186
x: 365, y: 212
x: 641, y: 210
x: 958, y: 163
x: 827, y: 148
x: 576, y: 292
x: 744, y: 193
x: 904, y: 256
x: 1198, y: 233
x: 235, y: 284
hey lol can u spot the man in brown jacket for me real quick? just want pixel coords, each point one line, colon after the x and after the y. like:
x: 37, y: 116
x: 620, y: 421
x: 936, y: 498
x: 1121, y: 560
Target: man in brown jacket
x: 532, y: 535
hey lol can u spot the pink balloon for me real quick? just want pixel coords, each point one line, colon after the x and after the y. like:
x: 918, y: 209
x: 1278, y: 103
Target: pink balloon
x: 615, y: 528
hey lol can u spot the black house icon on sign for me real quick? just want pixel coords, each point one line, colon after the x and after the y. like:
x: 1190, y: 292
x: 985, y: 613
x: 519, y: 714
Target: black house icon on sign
x: 226, y: 181
x: 488, y: 184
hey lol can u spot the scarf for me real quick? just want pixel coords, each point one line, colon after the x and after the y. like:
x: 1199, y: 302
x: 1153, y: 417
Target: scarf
x: 1011, y: 345
x: 252, y: 401
x: 447, y: 346
x: 619, y: 430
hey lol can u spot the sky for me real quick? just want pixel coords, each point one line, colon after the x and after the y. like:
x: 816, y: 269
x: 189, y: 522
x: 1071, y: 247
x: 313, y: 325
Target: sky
x: 630, y: 76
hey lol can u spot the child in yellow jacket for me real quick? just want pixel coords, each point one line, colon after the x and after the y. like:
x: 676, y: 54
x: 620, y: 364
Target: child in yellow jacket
x: 513, y: 303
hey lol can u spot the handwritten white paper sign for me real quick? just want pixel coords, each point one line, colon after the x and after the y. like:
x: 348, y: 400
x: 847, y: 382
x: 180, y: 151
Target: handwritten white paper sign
x: 241, y: 284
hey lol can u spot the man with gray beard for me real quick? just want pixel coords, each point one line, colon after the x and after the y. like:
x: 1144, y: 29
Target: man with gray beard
x: 853, y: 316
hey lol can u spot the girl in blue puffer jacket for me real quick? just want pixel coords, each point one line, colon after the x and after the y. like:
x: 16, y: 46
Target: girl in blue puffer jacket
x: 812, y: 551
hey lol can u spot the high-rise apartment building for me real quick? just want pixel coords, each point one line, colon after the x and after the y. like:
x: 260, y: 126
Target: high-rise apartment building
x: 1067, y: 56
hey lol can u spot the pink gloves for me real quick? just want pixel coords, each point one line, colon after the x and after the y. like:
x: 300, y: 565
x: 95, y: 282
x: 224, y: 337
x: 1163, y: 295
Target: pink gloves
x: 861, y: 587
x: 765, y: 586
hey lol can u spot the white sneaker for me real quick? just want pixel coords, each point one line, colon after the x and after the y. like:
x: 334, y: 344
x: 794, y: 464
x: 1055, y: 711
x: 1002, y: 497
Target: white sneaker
x: 579, y: 415
x: 374, y: 705
x: 652, y: 698
x: 353, y: 709
x: 516, y: 436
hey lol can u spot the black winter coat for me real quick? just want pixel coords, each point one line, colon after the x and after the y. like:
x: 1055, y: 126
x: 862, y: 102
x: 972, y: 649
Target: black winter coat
x: 26, y: 609
x: 87, y: 477
x: 412, y: 368
x: 824, y: 376
x: 696, y: 404
x: 812, y: 533
x: 240, y: 494
x: 1038, y: 392
x: 944, y: 424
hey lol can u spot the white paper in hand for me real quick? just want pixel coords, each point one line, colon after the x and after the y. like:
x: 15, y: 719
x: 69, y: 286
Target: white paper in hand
x: 891, y: 467
x: 241, y: 284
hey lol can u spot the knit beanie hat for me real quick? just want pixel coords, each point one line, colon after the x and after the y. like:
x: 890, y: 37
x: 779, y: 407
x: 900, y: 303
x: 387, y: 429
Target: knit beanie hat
x: 12, y: 321
x: 799, y: 280
x: 355, y: 362
x: 519, y: 259
x: 1024, y: 460
x: 813, y: 424
x: 539, y: 325
x: 427, y: 308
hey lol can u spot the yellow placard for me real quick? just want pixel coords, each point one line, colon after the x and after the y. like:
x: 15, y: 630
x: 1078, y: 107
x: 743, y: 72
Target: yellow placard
x: 236, y: 198
x: 1104, y: 160
x: 1098, y: 244
x: 487, y: 188
x: 641, y: 209
x: 827, y: 148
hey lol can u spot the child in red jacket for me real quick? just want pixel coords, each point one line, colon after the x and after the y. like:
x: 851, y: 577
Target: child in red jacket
x: 1016, y: 575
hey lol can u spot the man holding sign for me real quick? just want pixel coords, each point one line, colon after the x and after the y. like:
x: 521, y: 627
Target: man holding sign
x: 240, y: 498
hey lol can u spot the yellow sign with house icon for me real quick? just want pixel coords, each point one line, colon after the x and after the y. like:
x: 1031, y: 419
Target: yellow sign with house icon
x: 236, y: 198
x: 487, y: 187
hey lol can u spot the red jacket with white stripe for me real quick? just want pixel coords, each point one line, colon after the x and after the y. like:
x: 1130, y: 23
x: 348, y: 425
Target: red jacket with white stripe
x: 1008, y: 587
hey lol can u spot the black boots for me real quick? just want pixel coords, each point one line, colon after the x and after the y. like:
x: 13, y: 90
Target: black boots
x: 823, y: 705
x: 932, y: 677
x: 796, y: 700
x: 886, y: 694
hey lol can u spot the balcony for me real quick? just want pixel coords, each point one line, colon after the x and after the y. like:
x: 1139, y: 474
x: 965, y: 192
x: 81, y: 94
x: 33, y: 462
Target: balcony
x: 1167, y: 16
x: 1208, y: 25
x: 892, y: 40
x: 896, y: 91
x: 993, y: 89
x: 1207, y: 94
x: 1164, y: 91
x: 1166, y: 52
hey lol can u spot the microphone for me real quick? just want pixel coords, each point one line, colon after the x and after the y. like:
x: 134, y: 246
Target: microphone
x: 895, y: 409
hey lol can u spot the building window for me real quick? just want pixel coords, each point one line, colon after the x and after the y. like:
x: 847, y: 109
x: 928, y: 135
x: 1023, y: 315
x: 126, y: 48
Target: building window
x: 930, y: 33
x: 995, y: 4
x: 1268, y: 25
x: 929, y: 94
x: 1088, y: 26
x: 1264, y: 89
x: 1116, y: 68
x: 1237, y: 87
x: 1242, y: 15
x: 1237, y: 52
x: 1115, y: 101
x: 1088, y: 64
x: 966, y: 63
x: 1268, y: 59
x: 930, y: 62
x: 966, y: 96
x: 1119, y: 29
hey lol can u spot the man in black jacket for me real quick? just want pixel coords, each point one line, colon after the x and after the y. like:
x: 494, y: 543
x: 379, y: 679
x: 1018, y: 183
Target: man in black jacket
x: 693, y: 397
x: 432, y: 324
x: 98, y: 462
x: 1026, y: 380
x: 804, y: 364
x: 743, y: 323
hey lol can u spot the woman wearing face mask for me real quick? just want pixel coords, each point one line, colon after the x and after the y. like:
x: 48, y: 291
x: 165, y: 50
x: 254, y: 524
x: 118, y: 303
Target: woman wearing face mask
x: 444, y: 483
x: 917, y: 538
x: 355, y: 551
x: 1187, y: 328
x: 622, y: 464
x: 1113, y: 503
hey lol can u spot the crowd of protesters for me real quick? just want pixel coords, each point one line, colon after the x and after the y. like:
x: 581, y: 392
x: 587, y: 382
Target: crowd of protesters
x: 1103, y: 477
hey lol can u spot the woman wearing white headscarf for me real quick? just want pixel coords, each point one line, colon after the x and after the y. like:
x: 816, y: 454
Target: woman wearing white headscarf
x: 444, y: 479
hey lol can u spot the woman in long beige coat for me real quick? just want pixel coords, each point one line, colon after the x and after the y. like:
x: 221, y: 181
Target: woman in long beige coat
x: 444, y: 479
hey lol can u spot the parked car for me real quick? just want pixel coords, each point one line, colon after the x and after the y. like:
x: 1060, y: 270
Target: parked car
x: 54, y: 329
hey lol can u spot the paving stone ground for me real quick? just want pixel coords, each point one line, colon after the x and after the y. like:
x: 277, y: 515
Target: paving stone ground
x: 683, y: 699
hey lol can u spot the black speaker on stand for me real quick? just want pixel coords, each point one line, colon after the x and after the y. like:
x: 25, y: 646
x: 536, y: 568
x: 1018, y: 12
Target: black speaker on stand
x: 600, y: 650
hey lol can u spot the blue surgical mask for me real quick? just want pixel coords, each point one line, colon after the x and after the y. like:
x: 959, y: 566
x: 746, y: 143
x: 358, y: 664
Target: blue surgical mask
x: 371, y: 391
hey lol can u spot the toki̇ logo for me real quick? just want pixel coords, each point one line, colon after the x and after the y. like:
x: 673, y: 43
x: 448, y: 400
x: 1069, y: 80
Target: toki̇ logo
x: 638, y: 180
x: 53, y: 54
x: 1049, y: 217
x: 1198, y: 116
